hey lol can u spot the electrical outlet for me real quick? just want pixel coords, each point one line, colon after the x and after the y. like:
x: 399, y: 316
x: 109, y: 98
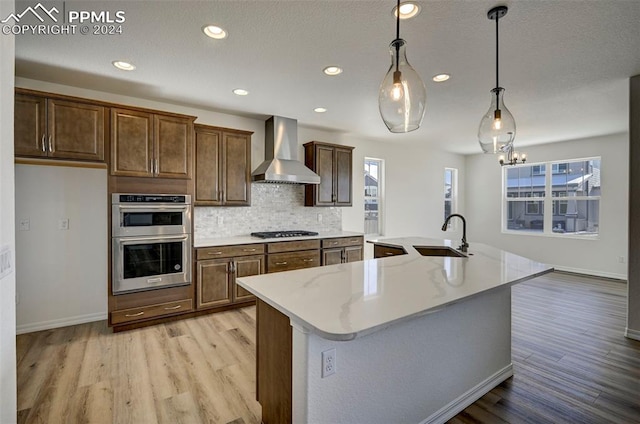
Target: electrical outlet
x: 220, y: 221
x: 319, y: 217
x: 621, y: 259
x: 328, y: 362
x: 63, y: 224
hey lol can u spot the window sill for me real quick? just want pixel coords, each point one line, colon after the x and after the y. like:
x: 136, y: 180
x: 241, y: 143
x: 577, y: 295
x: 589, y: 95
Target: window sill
x: 591, y: 237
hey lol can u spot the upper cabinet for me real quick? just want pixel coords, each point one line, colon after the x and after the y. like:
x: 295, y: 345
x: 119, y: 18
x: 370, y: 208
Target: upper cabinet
x: 146, y: 144
x: 333, y: 163
x: 223, y: 166
x: 55, y: 128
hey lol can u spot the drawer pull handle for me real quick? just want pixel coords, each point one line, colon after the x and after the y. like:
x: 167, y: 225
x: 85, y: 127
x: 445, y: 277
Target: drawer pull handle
x: 173, y: 308
x: 248, y: 250
x: 389, y: 253
x: 307, y: 260
x: 154, y: 280
x: 134, y: 315
x: 334, y: 242
x: 214, y: 253
x: 281, y: 263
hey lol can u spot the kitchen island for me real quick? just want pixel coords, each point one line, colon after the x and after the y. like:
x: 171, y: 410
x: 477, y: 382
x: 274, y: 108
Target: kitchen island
x: 406, y: 339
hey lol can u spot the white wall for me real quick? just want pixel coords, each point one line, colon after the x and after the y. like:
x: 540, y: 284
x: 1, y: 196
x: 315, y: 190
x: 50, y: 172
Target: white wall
x: 597, y: 257
x: 7, y: 229
x: 61, y: 274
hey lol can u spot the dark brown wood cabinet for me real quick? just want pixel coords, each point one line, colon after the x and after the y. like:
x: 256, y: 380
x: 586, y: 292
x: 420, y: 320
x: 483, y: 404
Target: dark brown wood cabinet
x: 223, y: 166
x: 382, y: 251
x: 147, y: 144
x: 56, y: 128
x: 290, y: 255
x: 334, y: 164
x: 216, y: 278
x: 342, y: 250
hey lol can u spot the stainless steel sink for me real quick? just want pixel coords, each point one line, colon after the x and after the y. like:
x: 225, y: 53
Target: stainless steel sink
x: 439, y: 251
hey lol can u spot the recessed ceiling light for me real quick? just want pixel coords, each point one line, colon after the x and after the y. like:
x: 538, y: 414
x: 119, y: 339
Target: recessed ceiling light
x: 332, y: 70
x: 441, y: 77
x: 214, y: 31
x: 407, y: 10
x: 320, y: 110
x: 125, y: 66
x: 240, y: 92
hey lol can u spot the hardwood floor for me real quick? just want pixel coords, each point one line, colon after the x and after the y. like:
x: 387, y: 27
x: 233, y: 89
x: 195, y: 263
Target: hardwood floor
x: 571, y: 361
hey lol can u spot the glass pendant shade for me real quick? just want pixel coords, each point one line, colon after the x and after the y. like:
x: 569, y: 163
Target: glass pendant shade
x: 497, y: 127
x: 403, y: 96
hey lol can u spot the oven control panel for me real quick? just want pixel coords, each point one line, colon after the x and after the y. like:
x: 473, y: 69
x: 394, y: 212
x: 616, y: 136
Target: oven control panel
x: 151, y: 198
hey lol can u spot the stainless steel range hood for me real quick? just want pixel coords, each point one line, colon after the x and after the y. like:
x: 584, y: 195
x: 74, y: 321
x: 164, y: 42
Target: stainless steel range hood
x: 281, y: 152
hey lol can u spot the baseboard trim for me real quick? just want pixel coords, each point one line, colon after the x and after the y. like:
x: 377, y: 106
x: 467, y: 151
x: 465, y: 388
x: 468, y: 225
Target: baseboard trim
x: 452, y: 409
x: 62, y: 322
x: 632, y: 334
x: 610, y: 275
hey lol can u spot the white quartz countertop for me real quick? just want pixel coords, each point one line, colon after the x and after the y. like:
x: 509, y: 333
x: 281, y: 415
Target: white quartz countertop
x: 228, y: 241
x: 342, y: 302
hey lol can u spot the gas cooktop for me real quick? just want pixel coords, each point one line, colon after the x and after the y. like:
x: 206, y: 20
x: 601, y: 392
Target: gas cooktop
x: 279, y: 234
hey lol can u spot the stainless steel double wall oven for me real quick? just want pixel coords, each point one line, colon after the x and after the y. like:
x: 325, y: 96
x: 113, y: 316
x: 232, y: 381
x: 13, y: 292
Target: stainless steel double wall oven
x: 151, y: 241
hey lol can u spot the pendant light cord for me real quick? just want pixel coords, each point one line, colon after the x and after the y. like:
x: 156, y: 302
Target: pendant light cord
x: 497, y: 52
x: 397, y: 35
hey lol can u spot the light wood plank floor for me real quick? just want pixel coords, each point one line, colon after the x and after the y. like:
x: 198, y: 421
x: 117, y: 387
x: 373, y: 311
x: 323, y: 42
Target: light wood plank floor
x: 572, y: 364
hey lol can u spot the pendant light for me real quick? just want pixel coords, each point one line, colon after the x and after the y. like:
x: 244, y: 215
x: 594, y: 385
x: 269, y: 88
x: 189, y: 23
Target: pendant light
x: 402, y: 98
x: 497, y: 127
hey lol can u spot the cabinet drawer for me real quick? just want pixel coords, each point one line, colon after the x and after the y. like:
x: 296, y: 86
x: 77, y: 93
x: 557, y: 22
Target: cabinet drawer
x: 342, y: 242
x: 229, y: 251
x: 292, y: 260
x: 292, y: 246
x: 151, y: 311
x: 384, y: 251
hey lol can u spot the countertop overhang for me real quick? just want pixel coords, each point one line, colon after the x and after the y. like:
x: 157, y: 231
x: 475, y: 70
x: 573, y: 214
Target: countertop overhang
x: 346, y: 301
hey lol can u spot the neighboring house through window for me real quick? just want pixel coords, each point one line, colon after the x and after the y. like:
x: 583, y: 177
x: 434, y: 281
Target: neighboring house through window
x: 567, y: 197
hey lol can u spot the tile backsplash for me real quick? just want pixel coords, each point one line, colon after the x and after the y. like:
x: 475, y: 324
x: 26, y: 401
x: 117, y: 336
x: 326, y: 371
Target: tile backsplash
x: 273, y: 207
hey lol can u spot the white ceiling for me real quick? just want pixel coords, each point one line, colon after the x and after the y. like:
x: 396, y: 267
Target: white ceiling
x: 565, y: 64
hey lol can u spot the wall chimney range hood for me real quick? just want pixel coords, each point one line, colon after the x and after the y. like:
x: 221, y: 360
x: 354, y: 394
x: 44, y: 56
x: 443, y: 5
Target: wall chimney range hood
x: 281, y: 152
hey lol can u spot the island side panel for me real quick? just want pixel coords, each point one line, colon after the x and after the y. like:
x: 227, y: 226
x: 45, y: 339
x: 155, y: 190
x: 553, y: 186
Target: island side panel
x: 273, y: 364
x: 420, y: 371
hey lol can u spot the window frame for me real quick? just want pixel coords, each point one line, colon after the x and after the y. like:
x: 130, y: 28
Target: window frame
x: 379, y: 197
x: 454, y: 195
x: 550, y: 202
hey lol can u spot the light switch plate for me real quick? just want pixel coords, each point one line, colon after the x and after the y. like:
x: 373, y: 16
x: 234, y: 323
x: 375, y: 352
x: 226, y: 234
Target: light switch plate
x: 25, y: 224
x: 63, y: 224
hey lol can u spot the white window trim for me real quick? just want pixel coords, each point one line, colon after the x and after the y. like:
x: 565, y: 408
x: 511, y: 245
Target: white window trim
x: 547, y: 200
x: 380, y: 197
x: 454, y: 196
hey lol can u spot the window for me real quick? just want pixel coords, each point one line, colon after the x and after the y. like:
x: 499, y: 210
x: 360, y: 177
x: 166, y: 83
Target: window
x: 560, y: 197
x: 450, y: 192
x: 373, y: 171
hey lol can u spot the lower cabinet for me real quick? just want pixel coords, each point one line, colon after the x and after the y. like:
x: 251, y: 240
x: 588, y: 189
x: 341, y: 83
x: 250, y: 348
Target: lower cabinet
x: 216, y: 278
x: 151, y: 311
x: 342, y: 250
x: 290, y: 255
x: 382, y: 251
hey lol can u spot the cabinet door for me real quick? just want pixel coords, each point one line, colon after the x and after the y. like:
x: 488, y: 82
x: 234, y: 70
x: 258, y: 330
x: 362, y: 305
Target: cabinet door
x: 246, y: 266
x: 342, y: 183
x: 131, y: 143
x: 75, y: 130
x: 214, y: 282
x: 353, y: 254
x: 208, y: 159
x: 173, y: 146
x: 29, y: 126
x: 324, y: 168
x: 236, y: 165
x: 331, y: 256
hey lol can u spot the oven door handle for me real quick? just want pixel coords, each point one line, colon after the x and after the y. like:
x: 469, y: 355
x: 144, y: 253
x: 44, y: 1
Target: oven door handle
x: 135, y: 240
x: 180, y: 207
